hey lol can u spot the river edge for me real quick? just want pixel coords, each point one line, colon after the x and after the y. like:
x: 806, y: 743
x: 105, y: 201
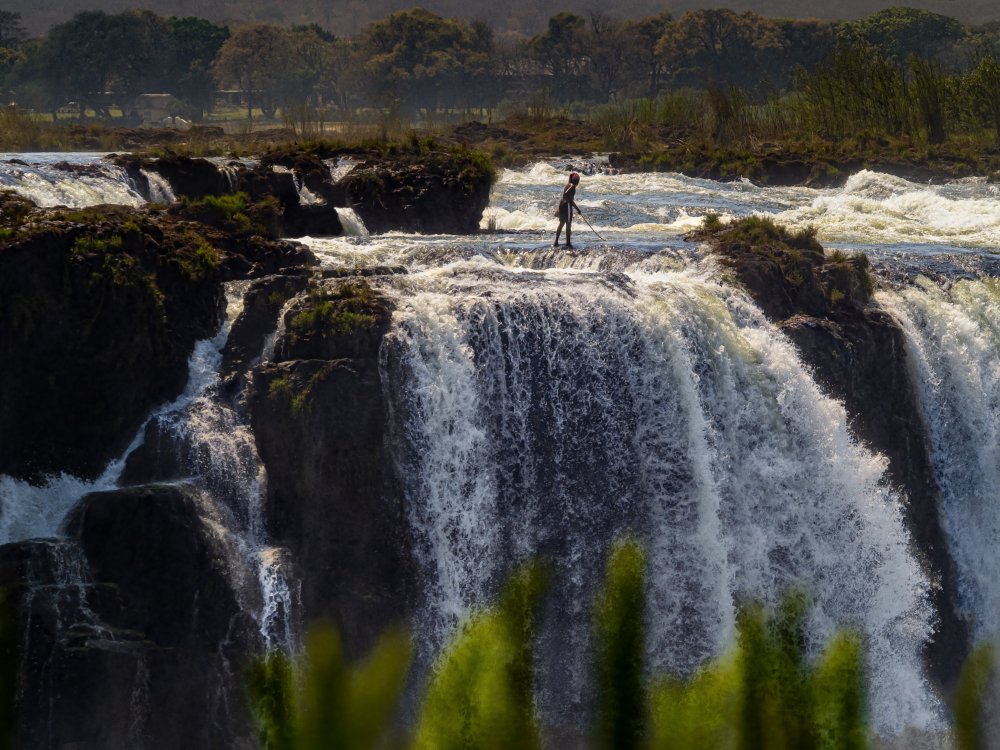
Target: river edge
x: 520, y: 140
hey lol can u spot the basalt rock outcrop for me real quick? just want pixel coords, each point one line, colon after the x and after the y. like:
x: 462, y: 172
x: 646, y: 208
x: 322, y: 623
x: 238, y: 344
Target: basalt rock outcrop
x: 412, y: 189
x: 433, y: 193
x: 99, y: 311
x: 160, y: 634
x: 823, y: 302
x: 333, y: 498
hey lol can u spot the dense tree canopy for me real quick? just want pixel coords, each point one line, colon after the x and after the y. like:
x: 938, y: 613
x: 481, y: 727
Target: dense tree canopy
x: 195, y: 44
x: 416, y: 63
x: 414, y: 58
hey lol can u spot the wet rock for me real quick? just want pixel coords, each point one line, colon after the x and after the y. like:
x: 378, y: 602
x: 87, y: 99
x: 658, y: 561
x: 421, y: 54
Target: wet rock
x: 262, y: 303
x: 188, y: 177
x: 97, y: 319
x: 430, y: 193
x: 135, y: 632
x: 334, y: 499
x: 857, y: 355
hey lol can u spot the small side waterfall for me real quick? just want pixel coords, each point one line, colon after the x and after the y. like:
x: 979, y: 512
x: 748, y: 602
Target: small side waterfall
x: 215, y: 448
x: 547, y: 412
x: 954, y: 339
x: 159, y: 189
x: 352, y: 223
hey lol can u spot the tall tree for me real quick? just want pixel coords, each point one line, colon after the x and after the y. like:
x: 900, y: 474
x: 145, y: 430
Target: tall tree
x: 559, y: 50
x: 414, y: 59
x: 644, y: 62
x: 605, y: 49
x: 195, y: 42
x: 12, y: 31
x: 252, y: 60
x: 717, y: 46
x: 97, y: 59
x: 900, y: 33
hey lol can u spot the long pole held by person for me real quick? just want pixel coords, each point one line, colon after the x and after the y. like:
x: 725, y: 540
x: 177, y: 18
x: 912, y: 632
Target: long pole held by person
x: 592, y: 227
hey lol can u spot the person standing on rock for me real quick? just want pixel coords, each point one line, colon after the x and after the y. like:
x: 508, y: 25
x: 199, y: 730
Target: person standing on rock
x: 565, y: 210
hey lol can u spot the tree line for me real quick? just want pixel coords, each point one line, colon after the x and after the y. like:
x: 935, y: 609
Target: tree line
x: 415, y: 64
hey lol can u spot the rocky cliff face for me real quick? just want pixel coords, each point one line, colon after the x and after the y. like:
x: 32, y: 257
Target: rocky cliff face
x: 138, y: 623
x: 99, y: 311
x: 135, y: 625
x: 823, y: 303
x: 334, y: 499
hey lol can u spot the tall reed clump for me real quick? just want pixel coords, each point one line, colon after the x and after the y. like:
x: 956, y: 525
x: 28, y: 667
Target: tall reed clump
x: 764, y: 695
x: 974, y: 679
x: 18, y: 131
x: 620, y: 650
x: 481, y: 692
x: 318, y: 701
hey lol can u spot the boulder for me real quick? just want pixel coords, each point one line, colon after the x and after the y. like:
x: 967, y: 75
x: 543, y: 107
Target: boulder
x: 334, y: 500
x: 430, y: 193
x: 137, y: 627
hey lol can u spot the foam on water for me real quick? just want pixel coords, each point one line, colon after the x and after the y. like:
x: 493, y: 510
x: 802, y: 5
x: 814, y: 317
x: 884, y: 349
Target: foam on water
x: 547, y: 412
x: 875, y: 208
x: 953, y: 337
x: 48, y: 185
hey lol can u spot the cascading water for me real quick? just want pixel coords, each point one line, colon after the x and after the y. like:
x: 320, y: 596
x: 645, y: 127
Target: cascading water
x: 159, y: 189
x: 954, y: 338
x: 90, y: 180
x: 547, y: 412
x: 219, y: 453
x: 544, y: 402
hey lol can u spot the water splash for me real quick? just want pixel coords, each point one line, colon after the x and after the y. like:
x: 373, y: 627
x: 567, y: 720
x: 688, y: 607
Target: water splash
x: 548, y: 412
x: 953, y: 336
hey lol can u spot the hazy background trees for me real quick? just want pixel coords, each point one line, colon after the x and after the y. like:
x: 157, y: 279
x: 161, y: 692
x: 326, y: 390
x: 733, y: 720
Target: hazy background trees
x: 906, y: 70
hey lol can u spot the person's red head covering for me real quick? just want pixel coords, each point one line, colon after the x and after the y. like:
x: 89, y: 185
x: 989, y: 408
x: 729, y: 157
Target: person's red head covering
x: 574, y: 177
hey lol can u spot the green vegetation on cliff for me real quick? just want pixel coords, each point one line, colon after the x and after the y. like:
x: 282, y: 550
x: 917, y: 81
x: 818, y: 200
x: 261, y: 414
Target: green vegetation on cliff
x: 789, y: 272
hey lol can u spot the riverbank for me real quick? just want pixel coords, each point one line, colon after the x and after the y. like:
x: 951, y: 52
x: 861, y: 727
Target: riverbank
x: 521, y: 140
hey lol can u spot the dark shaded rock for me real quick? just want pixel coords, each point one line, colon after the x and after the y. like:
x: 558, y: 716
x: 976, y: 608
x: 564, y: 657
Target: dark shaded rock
x: 334, y: 499
x: 97, y: 318
x: 429, y: 193
x: 262, y: 303
x: 188, y: 177
x: 134, y: 631
x: 162, y: 457
x: 861, y: 359
x: 317, y: 220
x: 263, y: 182
x: 162, y: 548
x: 857, y: 354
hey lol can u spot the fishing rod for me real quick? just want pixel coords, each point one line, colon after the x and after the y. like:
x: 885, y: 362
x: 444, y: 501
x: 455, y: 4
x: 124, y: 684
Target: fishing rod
x: 591, y: 226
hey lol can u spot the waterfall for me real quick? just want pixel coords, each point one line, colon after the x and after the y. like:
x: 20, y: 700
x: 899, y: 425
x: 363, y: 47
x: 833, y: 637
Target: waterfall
x: 953, y: 335
x: 88, y: 181
x: 548, y: 412
x: 217, y: 449
x: 352, y: 223
x: 160, y: 190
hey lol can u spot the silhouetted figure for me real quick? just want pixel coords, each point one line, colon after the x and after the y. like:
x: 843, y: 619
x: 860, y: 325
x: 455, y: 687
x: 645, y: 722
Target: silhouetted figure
x: 564, y: 212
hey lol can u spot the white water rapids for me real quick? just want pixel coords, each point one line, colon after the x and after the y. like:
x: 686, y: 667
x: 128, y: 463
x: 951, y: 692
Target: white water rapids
x: 548, y: 401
